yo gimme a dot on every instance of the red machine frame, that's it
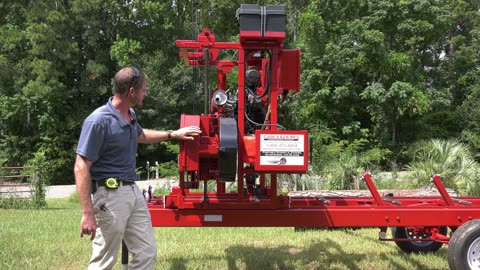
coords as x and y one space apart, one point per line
260 204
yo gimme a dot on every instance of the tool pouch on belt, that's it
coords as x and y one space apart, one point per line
111 183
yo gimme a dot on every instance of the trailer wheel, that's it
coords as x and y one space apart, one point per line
416 233
464 246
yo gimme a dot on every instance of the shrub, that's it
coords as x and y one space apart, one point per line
450 159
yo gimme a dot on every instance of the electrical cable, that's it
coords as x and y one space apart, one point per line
258 124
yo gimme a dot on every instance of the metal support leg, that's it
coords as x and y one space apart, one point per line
124 256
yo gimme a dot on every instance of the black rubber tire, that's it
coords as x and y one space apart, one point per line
461 241
416 247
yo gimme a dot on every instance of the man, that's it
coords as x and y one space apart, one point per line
105 166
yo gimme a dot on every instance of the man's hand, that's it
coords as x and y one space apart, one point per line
186 133
88 225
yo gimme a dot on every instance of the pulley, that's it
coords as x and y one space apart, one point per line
227 150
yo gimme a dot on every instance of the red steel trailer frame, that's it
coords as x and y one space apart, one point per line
191 210
251 153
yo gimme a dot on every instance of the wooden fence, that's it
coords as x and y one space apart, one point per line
14 183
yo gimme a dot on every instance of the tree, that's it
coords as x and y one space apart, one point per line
370 68
61 57
390 106
386 73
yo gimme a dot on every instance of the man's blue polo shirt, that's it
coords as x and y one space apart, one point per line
110 142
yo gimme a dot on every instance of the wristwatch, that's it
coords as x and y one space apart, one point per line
169 134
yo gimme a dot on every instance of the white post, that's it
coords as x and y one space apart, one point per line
156 169
148 170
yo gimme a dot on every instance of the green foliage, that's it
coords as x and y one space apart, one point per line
161 191
376 61
38 179
346 163
295 182
16 203
123 50
394 181
168 169
470 118
312 31
139 171
388 107
450 159
386 73
36 200
74 198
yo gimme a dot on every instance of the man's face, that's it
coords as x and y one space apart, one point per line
137 96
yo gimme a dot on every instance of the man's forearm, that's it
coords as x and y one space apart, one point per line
83 181
154 136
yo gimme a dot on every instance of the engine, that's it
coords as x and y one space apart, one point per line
241 138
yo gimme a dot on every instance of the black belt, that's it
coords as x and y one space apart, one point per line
101 183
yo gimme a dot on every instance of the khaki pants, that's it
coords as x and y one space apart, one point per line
122 214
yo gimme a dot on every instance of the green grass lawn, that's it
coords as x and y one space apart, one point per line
50 239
